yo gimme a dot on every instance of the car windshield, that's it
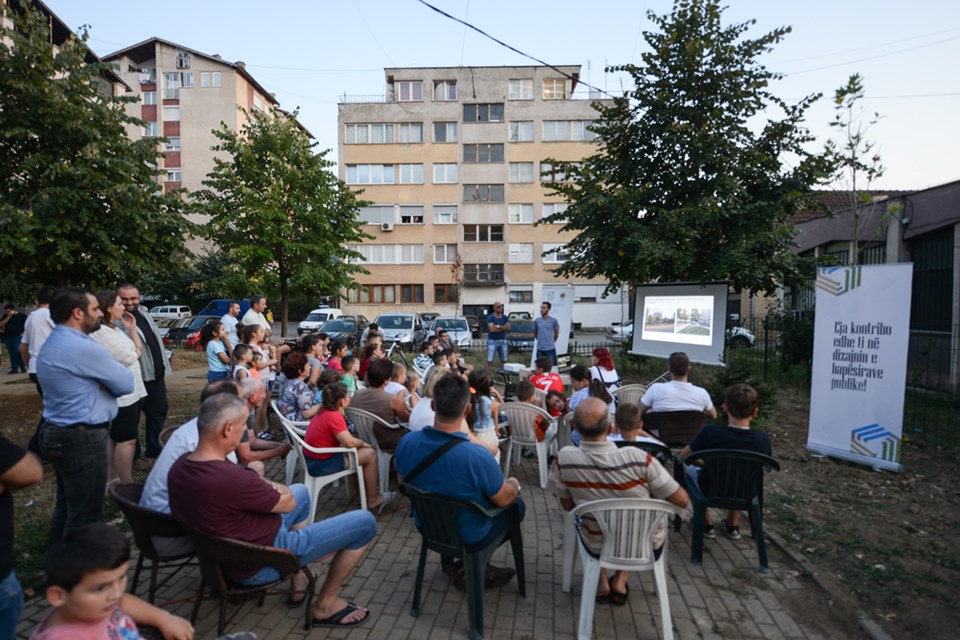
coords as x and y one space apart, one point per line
198 322
521 327
388 323
316 317
339 325
450 324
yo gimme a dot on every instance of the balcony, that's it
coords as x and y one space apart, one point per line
369 99
482 275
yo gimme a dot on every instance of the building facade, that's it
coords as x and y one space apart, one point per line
451 159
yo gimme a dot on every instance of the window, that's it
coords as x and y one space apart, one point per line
444 214
376 214
411 254
258 102
520 294
150 130
444 173
444 90
446 293
410 91
376 253
171 114
173 144
554 130
183 60
186 79
171 86
521 253
444 131
373 293
368 134
521 214
173 175
483 153
480 273
520 89
483 112
559 256
579 131
549 174
149 97
554 208
521 131
411 214
215 79
411 132
411 174
411 293
444 253
557 130
370 174
554 89
483 193
204 79
521 172
483 233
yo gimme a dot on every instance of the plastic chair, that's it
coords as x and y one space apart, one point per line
565 431
627 526
294 456
439 525
217 554
363 422
145 524
674 428
733 480
523 434
540 398
629 393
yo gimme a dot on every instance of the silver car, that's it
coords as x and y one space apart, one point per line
406 329
457 328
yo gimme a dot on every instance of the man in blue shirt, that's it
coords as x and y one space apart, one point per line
466 471
81 383
546 330
497 325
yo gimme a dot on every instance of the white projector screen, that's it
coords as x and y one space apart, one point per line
681 317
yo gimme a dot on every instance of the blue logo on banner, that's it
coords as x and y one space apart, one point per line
876 442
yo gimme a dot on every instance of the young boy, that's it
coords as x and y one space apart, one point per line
424 359
629 423
543 376
87 574
525 393
351 365
741 406
398 381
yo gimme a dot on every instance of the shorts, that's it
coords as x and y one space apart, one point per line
124 426
333 464
495 347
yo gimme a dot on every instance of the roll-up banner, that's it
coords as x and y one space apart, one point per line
561 299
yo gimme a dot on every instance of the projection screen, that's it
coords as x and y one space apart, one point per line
681 317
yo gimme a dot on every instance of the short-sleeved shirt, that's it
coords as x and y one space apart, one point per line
15 325
497 322
676 396
252 317
719 436
118 625
322 432
546 329
230 322
35 333
467 471
295 398
214 363
548 382
10 455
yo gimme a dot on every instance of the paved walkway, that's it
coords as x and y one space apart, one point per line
725 598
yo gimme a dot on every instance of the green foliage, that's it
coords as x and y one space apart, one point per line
683 188
795 344
279 212
79 201
741 367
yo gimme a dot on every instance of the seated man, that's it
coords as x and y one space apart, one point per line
678 394
253 448
597 469
544 377
466 471
389 408
740 403
217 498
424 359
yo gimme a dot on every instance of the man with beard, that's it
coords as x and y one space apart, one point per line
81 383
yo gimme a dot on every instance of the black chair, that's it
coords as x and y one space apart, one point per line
147 524
439 518
217 554
674 428
663 454
733 479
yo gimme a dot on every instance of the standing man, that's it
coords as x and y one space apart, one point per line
497 325
81 382
546 330
13 325
35 333
230 321
254 314
154 366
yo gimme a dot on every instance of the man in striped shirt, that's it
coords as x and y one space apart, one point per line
597 469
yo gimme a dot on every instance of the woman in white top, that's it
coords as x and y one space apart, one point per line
118 333
604 370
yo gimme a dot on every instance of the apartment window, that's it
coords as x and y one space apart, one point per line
483 152
521 214
411 132
445 90
554 88
444 253
173 144
204 79
373 294
446 293
411 254
410 91
483 112
549 174
171 86
376 253
375 133
521 172
520 89
370 174
579 130
186 79
171 114
483 193
521 294
555 130
411 214
215 79
258 102
521 131
444 131
444 214
173 175
149 97
554 208
483 233
150 130
411 174
559 255
376 214
483 273
521 253
444 173
183 60
411 293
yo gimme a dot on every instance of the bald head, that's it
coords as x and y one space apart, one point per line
592 419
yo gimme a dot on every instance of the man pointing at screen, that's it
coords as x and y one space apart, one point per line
678 394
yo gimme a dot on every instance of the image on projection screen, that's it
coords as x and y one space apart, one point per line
678 319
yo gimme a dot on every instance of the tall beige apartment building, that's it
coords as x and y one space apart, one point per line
451 159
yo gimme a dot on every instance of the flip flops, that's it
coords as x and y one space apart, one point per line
336 619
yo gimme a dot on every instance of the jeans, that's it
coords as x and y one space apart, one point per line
495 347
154 407
550 353
351 530
13 349
11 603
216 375
79 457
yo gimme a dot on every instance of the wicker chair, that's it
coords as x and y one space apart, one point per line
674 428
363 422
629 393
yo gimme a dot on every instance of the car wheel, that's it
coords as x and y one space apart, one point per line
739 342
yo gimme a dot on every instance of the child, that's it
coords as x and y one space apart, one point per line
424 359
525 393
486 409
350 368
397 384
741 405
412 384
338 351
543 376
556 403
87 581
212 336
629 423
580 382
243 354
255 363
440 360
329 376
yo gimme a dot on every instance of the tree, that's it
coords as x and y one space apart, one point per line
854 164
79 201
682 187
278 210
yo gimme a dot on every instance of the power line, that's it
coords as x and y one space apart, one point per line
371 31
879 55
872 46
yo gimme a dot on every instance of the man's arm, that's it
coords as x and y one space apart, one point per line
643 408
491 327
509 492
712 412
25 352
399 408
96 362
287 502
25 472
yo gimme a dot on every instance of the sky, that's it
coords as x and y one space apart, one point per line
312 52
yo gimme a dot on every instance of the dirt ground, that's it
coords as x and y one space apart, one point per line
882 543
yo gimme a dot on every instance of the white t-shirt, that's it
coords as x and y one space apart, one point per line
422 415
124 351
35 332
252 317
230 322
676 396
393 388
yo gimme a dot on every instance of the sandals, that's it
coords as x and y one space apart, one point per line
336 619
618 599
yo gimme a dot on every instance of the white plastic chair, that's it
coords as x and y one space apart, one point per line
363 422
300 427
565 431
540 398
523 434
627 526
629 393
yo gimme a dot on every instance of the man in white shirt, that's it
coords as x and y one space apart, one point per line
35 333
254 314
678 394
230 321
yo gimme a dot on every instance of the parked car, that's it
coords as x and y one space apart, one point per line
621 333
345 327
519 315
165 324
171 311
740 338
474 324
219 306
520 336
406 329
317 317
429 317
187 334
457 328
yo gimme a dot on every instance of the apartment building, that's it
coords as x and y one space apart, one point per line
451 159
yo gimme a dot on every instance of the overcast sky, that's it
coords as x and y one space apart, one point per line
311 52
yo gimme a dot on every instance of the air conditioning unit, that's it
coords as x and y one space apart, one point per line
386 226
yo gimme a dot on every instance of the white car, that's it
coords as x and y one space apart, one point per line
316 318
737 337
621 333
457 328
406 329
171 311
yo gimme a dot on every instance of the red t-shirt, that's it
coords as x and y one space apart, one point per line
334 363
322 432
548 382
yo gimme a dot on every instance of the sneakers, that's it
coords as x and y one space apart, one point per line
709 532
529 454
732 532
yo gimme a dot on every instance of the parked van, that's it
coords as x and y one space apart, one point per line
171 311
316 318
219 307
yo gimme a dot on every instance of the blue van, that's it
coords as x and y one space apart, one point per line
219 307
